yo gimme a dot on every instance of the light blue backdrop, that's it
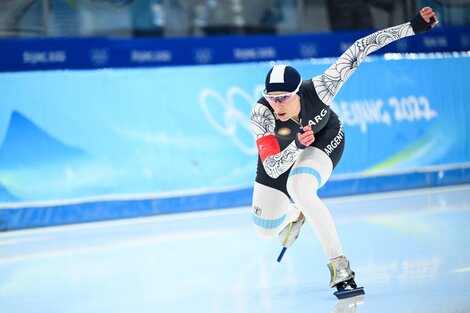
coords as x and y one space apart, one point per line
179 130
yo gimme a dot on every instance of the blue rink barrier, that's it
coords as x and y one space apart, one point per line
94 53
68 139
84 212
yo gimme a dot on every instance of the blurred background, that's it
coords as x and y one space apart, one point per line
127 160
101 96
165 18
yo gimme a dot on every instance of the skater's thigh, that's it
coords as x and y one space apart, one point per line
269 209
317 166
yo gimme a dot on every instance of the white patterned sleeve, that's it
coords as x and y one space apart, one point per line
263 124
262 121
328 84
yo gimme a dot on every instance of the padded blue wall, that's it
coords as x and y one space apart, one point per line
89 145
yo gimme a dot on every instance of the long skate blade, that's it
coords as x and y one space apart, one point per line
348 293
279 258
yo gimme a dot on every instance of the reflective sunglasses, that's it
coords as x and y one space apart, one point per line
272 99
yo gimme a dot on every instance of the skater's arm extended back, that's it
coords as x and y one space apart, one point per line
328 84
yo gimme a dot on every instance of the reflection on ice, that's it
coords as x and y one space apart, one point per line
348 305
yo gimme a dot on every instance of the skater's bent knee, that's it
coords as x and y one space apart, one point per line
267 228
265 233
267 223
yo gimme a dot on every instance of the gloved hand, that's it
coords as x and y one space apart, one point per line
304 137
424 20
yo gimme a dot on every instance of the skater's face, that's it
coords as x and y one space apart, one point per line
285 105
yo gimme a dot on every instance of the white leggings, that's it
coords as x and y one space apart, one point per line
271 211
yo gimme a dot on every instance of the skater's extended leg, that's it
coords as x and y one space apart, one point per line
310 172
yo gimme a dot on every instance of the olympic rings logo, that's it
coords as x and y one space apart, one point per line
229 115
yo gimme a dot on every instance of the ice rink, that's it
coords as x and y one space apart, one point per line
409 250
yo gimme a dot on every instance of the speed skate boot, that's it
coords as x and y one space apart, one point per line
342 277
290 233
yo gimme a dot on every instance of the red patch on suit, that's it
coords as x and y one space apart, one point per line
268 146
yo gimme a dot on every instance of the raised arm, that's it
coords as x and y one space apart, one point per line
275 161
328 84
